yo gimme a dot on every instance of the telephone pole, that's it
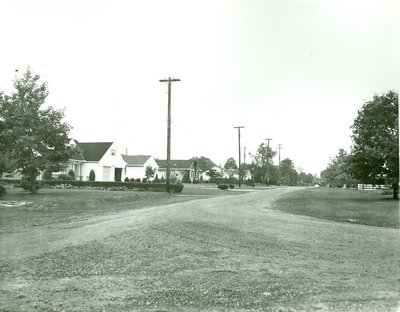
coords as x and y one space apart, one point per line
268 162
168 173
239 127
279 164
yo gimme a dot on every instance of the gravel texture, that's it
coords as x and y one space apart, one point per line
228 253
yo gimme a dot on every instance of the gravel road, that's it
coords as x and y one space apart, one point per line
227 253
225 209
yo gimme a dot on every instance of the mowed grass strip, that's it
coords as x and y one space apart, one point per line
53 205
343 205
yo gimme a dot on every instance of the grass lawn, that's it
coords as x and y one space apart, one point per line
54 205
342 205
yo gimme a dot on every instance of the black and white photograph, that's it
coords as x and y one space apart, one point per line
199 156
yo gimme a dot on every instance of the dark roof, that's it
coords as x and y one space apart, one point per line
77 155
93 151
175 163
135 160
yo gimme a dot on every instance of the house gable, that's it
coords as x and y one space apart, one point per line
93 151
176 164
135 160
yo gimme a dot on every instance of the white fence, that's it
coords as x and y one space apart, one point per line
369 187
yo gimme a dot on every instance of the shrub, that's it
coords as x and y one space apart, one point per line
249 182
65 177
71 173
3 190
186 177
27 185
223 186
48 175
92 175
177 188
126 179
231 186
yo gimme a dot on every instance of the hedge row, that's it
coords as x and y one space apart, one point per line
137 186
99 185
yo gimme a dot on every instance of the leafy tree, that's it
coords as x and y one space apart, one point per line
306 178
289 175
230 163
204 163
214 175
337 172
36 138
149 173
375 151
263 160
7 164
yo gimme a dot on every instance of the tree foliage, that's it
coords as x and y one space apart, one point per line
230 163
288 174
375 151
204 163
337 172
263 159
36 138
214 175
149 173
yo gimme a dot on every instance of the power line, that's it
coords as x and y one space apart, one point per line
168 173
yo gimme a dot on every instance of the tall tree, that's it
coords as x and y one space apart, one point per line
337 172
289 175
263 160
35 137
204 163
7 164
230 163
375 151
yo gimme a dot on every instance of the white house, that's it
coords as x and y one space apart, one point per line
135 165
101 157
179 169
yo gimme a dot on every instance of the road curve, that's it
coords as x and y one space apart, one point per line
226 209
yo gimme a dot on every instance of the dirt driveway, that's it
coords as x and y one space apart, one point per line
227 253
37 240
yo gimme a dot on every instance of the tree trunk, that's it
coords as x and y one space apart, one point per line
395 186
33 184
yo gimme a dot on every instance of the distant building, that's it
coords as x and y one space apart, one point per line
101 157
135 165
179 169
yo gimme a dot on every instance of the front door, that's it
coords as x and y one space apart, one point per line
118 174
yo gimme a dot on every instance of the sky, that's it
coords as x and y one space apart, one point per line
295 71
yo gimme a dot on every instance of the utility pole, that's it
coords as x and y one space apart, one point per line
167 178
239 127
268 162
279 164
